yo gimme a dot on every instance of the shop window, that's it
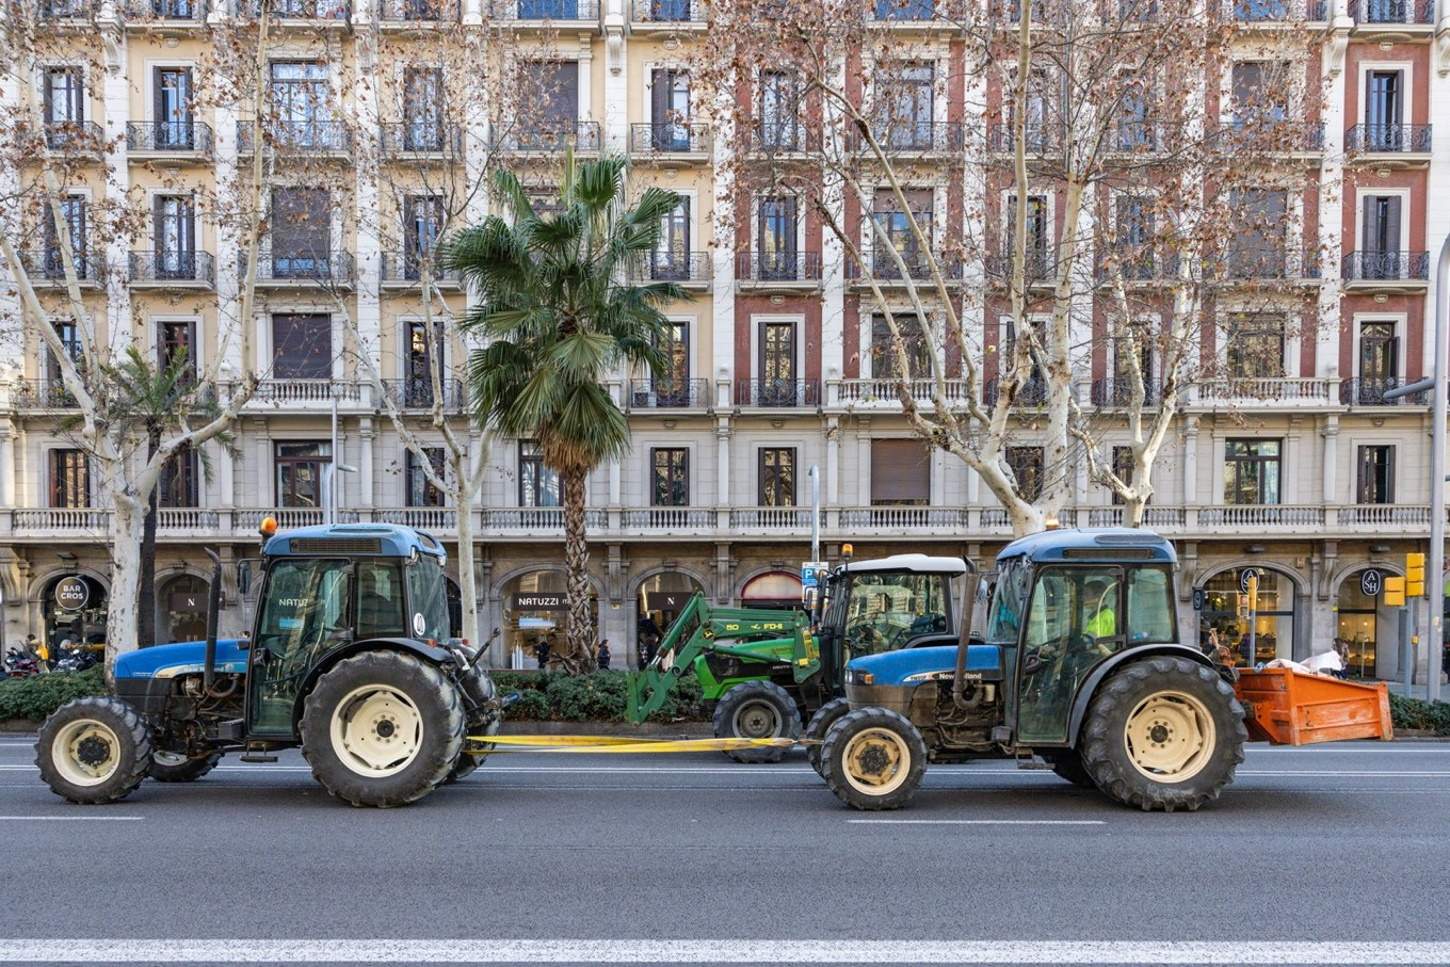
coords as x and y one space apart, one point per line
1356 635
1224 620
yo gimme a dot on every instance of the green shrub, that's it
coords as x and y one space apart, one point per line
37 696
1413 713
531 706
600 696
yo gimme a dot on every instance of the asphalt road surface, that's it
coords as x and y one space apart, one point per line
1337 854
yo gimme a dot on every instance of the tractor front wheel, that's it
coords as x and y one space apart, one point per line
819 725
175 767
873 758
382 729
93 750
1068 765
757 710
1163 734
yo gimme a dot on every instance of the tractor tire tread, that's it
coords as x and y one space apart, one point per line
189 771
128 725
819 725
738 695
848 725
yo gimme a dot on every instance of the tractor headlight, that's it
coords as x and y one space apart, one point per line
855 676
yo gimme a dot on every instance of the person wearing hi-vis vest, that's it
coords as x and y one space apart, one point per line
1100 600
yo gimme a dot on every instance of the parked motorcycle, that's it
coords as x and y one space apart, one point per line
78 656
20 664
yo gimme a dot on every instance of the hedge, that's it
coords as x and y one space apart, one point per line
36 697
1414 713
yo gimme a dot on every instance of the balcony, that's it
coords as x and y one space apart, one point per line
1393 270
668 394
1045 139
1380 143
1371 392
38 394
1265 391
421 140
337 12
248 519
165 13
782 394
1114 393
554 12
899 137
883 392
47 270
1135 266
689 270
404 270
1137 138
276 269
1275 13
666 14
1372 15
786 270
434 520
1040 269
536 521
1269 135
408 14
771 520
46 521
183 140
314 138
549 138
904 11
416 393
1257 516
1264 264
784 140
305 393
1031 392
914 267
670 141
188 269
1047 13
74 137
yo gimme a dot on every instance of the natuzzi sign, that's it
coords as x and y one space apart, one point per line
539 601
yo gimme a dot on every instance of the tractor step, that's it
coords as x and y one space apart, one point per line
1034 763
256 754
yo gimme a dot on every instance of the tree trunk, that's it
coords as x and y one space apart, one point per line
580 657
1133 508
146 596
1026 519
467 588
126 527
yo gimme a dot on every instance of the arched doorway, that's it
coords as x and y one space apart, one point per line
658 602
1358 626
181 609
74 607
1224 600
773 589
535 615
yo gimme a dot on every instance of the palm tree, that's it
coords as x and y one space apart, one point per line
558 317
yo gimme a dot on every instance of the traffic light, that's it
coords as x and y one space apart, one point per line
1415 575
1395 592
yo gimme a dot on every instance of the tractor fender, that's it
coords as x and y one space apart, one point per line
1090 685
429 653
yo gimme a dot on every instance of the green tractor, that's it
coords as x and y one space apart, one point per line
778 673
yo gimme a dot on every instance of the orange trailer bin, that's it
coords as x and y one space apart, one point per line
1293 708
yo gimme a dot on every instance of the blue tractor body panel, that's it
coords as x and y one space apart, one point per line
1109 545
183 657
894 667
355 540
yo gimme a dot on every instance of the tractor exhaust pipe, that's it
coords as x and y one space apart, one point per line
213 605
959 684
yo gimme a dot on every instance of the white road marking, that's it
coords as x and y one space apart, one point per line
979 822
72 819
725 951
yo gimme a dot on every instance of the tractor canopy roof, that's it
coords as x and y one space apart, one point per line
920 563
1111 545
355 540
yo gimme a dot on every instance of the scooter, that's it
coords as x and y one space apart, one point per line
20 664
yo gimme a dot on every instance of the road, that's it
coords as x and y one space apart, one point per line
1345 849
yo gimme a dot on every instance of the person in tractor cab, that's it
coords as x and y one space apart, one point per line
1100 599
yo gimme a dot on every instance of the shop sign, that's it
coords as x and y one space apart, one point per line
188 601
539 601
72 593
1370 582
667 600
1198 599
1245 575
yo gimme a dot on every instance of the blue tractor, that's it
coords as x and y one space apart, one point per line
350 658
1079 667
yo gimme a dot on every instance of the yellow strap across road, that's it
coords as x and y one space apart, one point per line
622 744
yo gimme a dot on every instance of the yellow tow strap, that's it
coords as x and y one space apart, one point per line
617 743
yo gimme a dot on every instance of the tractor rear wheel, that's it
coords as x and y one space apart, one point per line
468 761
1068 765
174 767
819 725
93 750
1163 733
757 710
873 758
382 729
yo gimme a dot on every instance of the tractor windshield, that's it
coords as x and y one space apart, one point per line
884 611
428 598
1009 599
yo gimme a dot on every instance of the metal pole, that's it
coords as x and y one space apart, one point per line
1436 578
815 475
331 488
1407 653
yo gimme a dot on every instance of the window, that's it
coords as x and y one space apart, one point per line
1384 111
428 596
548 9
171 108
777 364
70 338
900 473
1033 389
670 106
904 9
1037 234
176 343
74 212
423 109
299 472
1380 256
538 484
1379 360
70 479
894 224
1135 131
1026 464
301 346
671 258
670 477
777 237
1135 236
885 611
1123 379
422 224
64 104
300 97
777 477
418 378
1376 484
1257 248
905 112
1072 625
1255 347
301 233
1038 124
379 600
1150 607
174 227
421 491
779 111
1260 92
886 362
1122 469
304 603
557 110
671 386
179 479
1251 471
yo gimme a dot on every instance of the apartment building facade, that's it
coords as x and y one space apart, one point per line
1292 464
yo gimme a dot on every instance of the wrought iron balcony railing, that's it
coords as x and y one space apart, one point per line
784 393
897 136
910 10
662 394
1387 139
43 394
681 267
1135 264
172 11
542 10
1265 262
547 136
1269 135
1362 391
783 267
1276 11
419 11
65 9
667 11
1039 138
784 137
327 10
1031 392
669 137
416 393
1040 267
85 136
1111 391
168 137
298 137
1392 11
45 265
327 268
405 268
918 266
421 137
186 267
1386 266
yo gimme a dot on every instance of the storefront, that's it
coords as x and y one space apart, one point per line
659 601
1225 613
535 619
1359 627
181 609
773 589
74 607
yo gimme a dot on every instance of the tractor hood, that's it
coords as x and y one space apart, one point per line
181 658
894 667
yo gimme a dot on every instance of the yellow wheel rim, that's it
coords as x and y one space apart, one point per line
1170 737
86 752
876 761
376 731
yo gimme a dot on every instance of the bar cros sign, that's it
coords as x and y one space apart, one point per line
72 593
539 601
